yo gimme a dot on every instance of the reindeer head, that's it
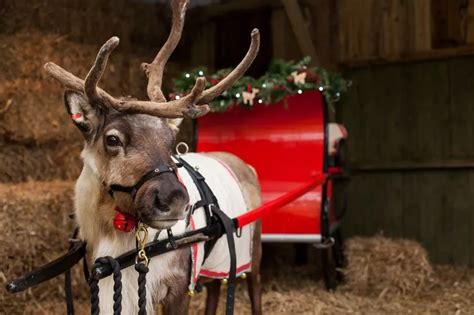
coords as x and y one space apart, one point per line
128 143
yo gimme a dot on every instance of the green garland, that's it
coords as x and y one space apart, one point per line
273 86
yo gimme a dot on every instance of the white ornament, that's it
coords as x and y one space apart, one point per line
249 96
299 78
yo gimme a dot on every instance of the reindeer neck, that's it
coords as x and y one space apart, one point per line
93 206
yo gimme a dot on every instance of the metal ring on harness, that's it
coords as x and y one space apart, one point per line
182 144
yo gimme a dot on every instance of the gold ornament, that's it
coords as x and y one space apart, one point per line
299 78
224 281
191 293
243 275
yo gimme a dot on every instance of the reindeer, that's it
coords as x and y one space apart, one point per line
124 140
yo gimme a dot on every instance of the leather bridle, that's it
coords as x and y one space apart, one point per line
132 190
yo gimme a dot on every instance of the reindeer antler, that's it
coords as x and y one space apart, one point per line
98 68
154 70
192 105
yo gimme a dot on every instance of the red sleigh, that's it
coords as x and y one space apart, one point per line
296 152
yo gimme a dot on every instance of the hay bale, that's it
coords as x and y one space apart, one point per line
379 266
35 229
35 113
31 100
55 161
23 55
31 105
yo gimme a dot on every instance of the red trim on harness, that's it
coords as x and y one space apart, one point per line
76 116
227 168
343 130
285 199
180 179
208 273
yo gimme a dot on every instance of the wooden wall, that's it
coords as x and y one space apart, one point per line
411 128
382 28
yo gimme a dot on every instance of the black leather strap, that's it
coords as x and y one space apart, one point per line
67 278
207 199
229 228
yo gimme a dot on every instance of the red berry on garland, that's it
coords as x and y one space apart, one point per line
312 77
249 88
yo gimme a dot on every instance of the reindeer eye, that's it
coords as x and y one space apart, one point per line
113 141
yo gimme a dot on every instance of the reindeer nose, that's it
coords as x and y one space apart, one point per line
159 205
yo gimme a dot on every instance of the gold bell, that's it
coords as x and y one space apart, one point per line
191 293
243 275
224 281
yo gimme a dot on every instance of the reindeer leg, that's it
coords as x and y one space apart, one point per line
212 299
176 303
254 281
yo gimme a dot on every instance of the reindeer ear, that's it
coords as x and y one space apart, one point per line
83 115
174 123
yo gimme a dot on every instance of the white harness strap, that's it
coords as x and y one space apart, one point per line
225 186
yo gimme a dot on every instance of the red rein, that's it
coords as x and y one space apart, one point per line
290 196
126 222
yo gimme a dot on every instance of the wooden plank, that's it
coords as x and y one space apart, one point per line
363 111
455 228
389 208
401 165
392 28
419 25
470 220
411 206
344 19
278 28
429 194
388 97
448 17
461 77
203 45
436 54
300 30
469 22
324 29
361 216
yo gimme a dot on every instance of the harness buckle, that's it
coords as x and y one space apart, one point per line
141 235
172 242
238 232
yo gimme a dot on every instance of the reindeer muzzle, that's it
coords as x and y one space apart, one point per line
132 190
